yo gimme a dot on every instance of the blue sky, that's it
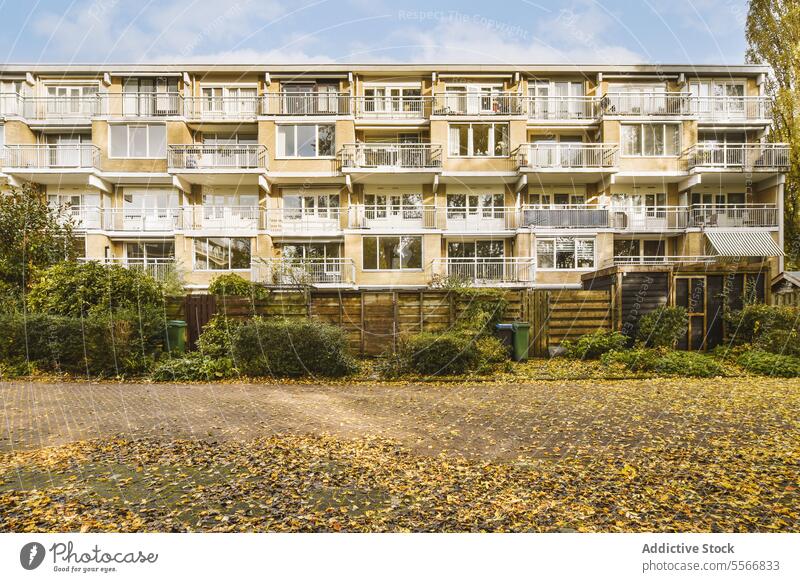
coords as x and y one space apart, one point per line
356 31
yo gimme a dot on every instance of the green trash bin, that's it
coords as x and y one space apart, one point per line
520 340
176 336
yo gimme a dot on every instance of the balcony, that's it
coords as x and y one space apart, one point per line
652 104
223 218
649 218
141 220
146 104
731 109
391 162
241 108
160 269
414 108
396 217
738 157
11 104
567 156
83 217
563 109
508 271
304 104
51 157
67 109
327 272
481 220
565 216
734 216
218 164
468 103
304 221
660 260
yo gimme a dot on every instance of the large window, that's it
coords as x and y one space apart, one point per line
221 254
306 141
484 249
462 205
393 253
301 251
150 250
565 253
651 139
478 139
138 141
298 205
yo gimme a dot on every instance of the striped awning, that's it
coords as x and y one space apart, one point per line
743 244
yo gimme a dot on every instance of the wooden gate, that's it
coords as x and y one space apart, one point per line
199 310
378 322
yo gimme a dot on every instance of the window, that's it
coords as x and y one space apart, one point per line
639 248
393 99
322 205
138 141
302 251
557 199
395 253
486 205
221 254
565 253
651 139
306 141
150 250
478 139
485 249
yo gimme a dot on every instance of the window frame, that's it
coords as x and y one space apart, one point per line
377 258
471 140
574 239
127 127
316 127
229 239
641 127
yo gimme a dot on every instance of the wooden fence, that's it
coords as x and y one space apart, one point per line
374 320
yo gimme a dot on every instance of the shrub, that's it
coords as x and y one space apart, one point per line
593 345
482 309
663 327
636 360
752 322
767 364
491 351
290 347
73 289
194 366
665 362
432 354
215 339
231 284
779 341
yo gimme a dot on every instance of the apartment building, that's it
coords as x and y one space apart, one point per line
405 176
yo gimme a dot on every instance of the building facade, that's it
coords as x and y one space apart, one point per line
407 176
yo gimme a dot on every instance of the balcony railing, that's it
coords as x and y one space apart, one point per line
660 260
396 217
51 156
83 217
731 108
645 104
304 220
11 104
147 104
486 270
64 108
565 216
296 271
392 107
233 218
471 103
734 215
412 156
217 157
143 219
649 218
303 103
489 219
738 156
245 107
158 268
563 108
557 156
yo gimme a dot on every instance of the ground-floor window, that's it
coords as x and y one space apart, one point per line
150 250
639 248
473 249
221 254
565 253
393 253
310 251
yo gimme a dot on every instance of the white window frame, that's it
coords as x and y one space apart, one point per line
128 143
641 127
377 258
575 240
316 126
471 140
229 269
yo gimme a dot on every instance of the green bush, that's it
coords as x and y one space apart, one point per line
439 354
767 364
491 351
194 366
665 362
779 341
593 345
290 347
662 327
74 289
481 309
215 339
231 284
749 324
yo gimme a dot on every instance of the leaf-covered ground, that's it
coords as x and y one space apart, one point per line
655 455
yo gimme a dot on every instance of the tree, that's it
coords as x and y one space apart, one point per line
773 36
34 237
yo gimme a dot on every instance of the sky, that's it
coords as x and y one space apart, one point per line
367 31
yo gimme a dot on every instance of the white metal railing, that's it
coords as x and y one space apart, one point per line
208 217
299 271
304 220
158 268
745 156
51 156
11 104
304 103
486 219
82 107
649 218
147 104
567 155
750 108
636 104
734 215
486 270
202 156
477 103
83 217
565 216
223 108
143 219
562 108
391 155
391 217
392 107
660 260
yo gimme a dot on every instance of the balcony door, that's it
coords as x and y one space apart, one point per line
311 212
227 101
320 261
718 98
71 100
393 210
480 260
310 98
230 151
720 209
230 208
66 151
150 96
476 212
642 211
149 209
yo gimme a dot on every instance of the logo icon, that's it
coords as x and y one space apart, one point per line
31 555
